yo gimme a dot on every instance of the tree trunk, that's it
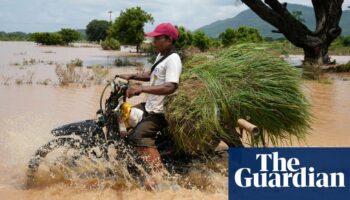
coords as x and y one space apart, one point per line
315 43
317 55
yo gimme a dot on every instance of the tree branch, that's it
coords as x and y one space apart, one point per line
285 14
333 19
277 7
328 14
276 14
264 12
320 14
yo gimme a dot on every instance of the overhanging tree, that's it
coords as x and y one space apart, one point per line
315 43
128 27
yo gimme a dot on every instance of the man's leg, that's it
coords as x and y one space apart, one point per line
143 139
151 155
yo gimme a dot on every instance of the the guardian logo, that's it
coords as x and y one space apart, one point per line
285 173
289 173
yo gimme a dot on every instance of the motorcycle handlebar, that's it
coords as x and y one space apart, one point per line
110 83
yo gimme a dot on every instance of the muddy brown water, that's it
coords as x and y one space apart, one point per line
330 102
29 112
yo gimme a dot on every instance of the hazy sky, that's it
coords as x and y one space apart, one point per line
52 15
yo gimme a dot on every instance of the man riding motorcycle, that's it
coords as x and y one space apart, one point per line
164 79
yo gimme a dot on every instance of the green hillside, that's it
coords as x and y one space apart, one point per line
249 18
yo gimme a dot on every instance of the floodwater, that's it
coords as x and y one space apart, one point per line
330 101
297 60
29 111
16 52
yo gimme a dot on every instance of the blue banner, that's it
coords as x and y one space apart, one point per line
289 173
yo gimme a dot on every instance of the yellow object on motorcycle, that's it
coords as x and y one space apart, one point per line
130 116
125 110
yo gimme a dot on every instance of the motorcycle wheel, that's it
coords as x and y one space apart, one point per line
41 154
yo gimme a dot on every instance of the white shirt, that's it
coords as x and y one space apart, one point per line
168 70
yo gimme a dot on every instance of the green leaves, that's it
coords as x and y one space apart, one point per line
242 34
96 30
128 27
63 37
200 40
242 81
185 38
228 37
69 35
48 38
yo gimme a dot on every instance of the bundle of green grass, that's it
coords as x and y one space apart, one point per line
244 81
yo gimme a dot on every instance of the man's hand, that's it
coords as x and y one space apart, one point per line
127 76
134 90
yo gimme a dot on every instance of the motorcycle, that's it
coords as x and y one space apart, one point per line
102 139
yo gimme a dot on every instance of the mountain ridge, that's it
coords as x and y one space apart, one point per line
249 18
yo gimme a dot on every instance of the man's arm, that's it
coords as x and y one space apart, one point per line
145 76
163 89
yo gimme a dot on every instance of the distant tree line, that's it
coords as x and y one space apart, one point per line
63 37
14 36
242 34
342 41
127 29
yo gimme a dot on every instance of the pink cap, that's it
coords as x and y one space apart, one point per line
164 29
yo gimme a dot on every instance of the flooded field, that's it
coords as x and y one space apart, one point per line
29 111
297 60
29 63
16 52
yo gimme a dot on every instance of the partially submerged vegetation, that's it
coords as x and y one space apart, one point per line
74 73
25 62
339 68
243 81
125 62
110 44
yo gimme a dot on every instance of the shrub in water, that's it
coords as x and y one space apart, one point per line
110 44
